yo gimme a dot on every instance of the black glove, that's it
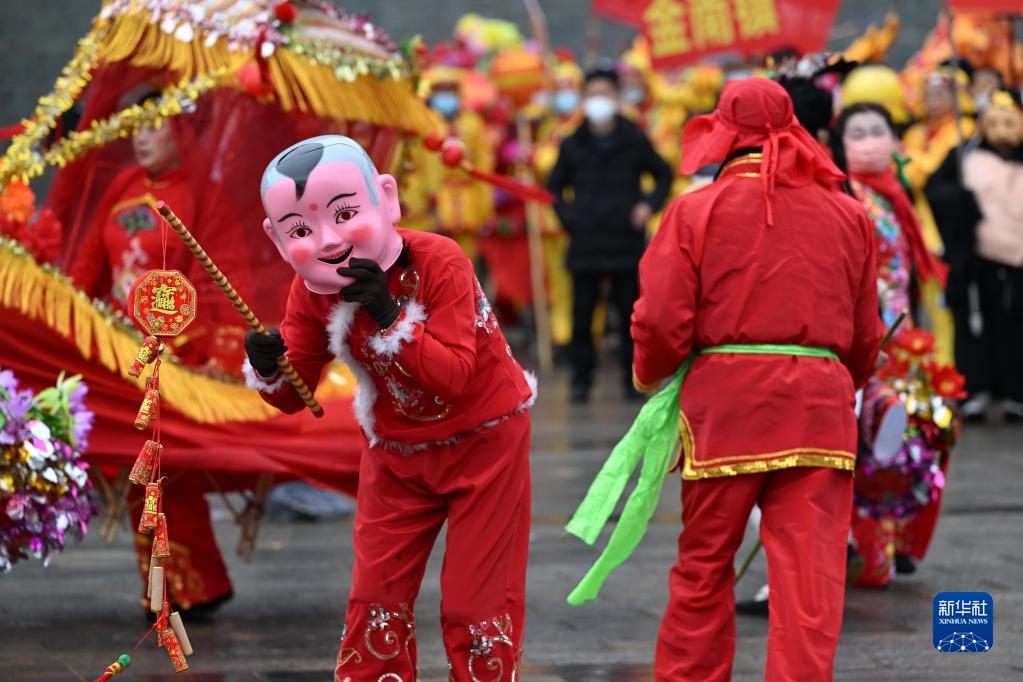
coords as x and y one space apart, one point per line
263 350
370 290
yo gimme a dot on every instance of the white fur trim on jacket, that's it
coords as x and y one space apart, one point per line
388 343
338 323
254 379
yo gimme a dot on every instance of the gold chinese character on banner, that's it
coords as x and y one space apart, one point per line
163 299
666 27
711 21
756 18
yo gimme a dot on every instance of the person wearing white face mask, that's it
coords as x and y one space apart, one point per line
603 162
864 145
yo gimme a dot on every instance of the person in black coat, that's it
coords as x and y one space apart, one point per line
605 216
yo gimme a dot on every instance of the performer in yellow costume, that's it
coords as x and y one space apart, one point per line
443 199
927 143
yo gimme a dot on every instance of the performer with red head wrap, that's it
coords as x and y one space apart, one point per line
442 403
764 280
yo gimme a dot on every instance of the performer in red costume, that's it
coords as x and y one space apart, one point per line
766 277
443 405
123 241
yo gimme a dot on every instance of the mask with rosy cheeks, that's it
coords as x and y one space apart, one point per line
870 155
326 204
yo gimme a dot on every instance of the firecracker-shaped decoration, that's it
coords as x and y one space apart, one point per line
150 508
156 591
174 650
145 464
147 410
146 354
161 543
179 630
162 302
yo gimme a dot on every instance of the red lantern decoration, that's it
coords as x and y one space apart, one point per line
518 74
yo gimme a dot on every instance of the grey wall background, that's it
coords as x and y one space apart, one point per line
37 37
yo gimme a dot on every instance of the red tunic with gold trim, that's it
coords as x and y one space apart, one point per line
758 285
444 408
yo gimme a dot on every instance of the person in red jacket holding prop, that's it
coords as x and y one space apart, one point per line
443 405
765 281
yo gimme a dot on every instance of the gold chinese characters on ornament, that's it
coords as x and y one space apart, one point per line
163 302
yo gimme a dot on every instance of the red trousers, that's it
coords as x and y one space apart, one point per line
480 486
804 528
195 572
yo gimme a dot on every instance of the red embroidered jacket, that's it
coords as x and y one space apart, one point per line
442 370
807 280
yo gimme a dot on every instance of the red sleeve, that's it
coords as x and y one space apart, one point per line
305 335
663 317
435 340
867 326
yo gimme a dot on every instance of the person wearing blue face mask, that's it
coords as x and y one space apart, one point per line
603 163
565 102
442 199
446 102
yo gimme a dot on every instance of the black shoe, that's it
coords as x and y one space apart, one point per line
904 564
752 607
580 394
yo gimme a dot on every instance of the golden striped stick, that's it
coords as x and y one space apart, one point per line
211 268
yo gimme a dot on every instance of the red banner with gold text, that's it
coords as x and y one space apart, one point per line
681 32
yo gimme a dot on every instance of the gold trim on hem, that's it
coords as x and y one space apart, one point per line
759 463
640 386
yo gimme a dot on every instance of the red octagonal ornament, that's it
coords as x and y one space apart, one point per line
162 302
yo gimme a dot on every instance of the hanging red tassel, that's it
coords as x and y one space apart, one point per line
145 463
150 508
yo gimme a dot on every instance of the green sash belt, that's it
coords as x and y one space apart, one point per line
653 437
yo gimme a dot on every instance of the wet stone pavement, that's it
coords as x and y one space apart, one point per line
68 621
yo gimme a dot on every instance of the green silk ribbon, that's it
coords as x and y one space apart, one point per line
652 438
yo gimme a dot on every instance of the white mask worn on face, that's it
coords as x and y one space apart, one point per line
599 109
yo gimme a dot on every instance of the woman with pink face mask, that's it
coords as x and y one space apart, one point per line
864 145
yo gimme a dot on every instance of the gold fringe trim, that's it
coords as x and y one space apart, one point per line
43 294
760 463
300 82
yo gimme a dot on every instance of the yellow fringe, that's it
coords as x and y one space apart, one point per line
300 82
43 294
